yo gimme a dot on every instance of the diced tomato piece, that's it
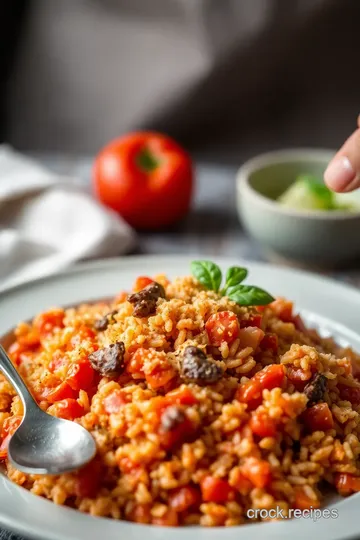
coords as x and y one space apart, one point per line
250 393
45 323
4 447
251 337
262 425
136 364
254 319
355 484
222 326
180 433
350 393
160 375
62 391
343 483
115 401
346 483
158 405
182 498
242 484
87 333
94 388
10 425
181 396
138 473
318 418
299 324
140 513
142 282
31 340
268 378
270 342
169 519
88 479
257 471
282 309
15 351
298 377
24 344
69 409
83 333
126 465
303 501
58 361
216 490
271 376
80 375
121 297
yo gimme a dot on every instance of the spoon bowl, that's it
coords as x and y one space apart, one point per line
44 444
48 445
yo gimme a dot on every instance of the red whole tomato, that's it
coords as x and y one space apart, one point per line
146 177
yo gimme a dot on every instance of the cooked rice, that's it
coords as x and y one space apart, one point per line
134 476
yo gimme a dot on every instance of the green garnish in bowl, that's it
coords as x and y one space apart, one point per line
310 193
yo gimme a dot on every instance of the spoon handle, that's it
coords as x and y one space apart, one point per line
7 368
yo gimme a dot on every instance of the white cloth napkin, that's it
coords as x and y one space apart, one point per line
47 223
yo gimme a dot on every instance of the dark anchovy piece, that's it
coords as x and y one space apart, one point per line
316 389
109 360
145 300
103 323
196 367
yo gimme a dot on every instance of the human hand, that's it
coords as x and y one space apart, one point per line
343 171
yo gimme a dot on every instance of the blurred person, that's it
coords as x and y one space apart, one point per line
227 78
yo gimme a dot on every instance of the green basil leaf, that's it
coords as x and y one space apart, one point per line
234 276
208 273
249 295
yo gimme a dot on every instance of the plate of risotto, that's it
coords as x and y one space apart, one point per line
223 397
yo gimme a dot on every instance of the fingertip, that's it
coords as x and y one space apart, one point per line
339 174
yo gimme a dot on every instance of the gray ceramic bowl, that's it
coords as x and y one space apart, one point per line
315 238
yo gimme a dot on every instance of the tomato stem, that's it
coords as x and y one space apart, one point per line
146 160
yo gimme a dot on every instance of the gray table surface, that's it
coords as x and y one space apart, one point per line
212 227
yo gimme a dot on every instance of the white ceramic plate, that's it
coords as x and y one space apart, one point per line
333 307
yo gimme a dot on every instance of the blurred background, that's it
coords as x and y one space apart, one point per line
226 78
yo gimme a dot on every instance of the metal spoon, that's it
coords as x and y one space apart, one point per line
44 444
